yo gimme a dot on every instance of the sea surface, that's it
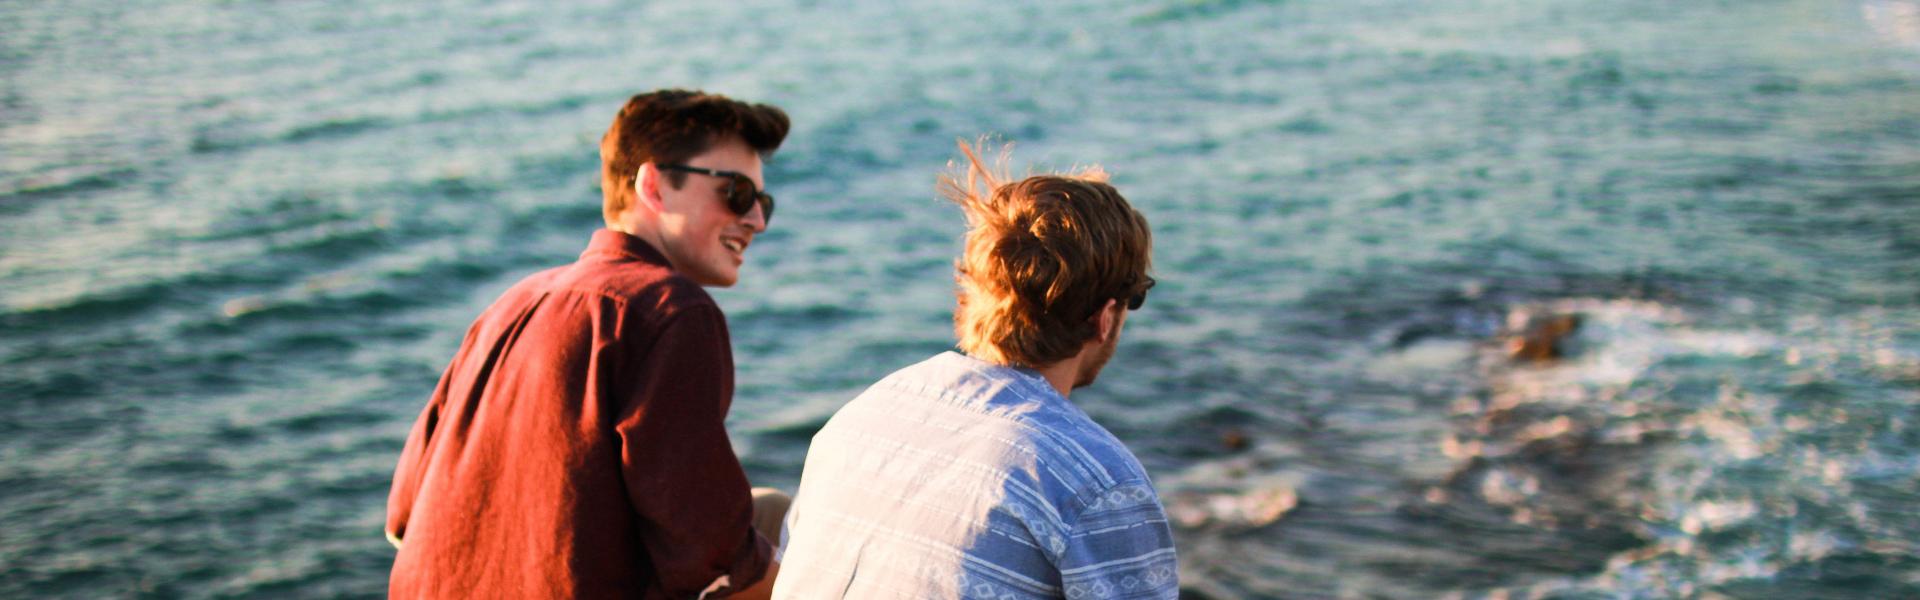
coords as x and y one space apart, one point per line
240 239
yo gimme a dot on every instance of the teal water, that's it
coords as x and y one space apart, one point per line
238 240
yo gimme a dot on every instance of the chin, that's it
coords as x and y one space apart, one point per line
712 277
1091 369
720 281
1085 381
1087 376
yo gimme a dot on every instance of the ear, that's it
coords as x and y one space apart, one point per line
1106 321
646 188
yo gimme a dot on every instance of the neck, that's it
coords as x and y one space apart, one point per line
1061 375
642 230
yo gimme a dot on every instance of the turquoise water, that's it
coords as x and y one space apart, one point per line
239 240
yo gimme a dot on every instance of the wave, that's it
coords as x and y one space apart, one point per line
106 305
344 295
332 420
1175 11
63 181
808 317
334 128
230 137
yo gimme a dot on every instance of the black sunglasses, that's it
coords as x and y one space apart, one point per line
740 194
1140 298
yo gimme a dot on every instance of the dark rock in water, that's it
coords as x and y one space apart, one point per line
1536 338
1234 440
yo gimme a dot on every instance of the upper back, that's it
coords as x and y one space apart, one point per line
949 475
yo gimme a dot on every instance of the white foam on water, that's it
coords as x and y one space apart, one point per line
1896 22
1700 486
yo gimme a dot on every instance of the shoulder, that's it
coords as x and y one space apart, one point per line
1023 409
522 293
671 294
1074 438
673 310
656 292
1086 469
537 282
966 384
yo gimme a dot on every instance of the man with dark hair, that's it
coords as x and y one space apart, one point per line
971 475
575 446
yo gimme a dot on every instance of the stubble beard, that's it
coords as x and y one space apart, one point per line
1090 370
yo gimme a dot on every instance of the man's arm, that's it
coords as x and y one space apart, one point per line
764 589
1123 540
407 475
683 480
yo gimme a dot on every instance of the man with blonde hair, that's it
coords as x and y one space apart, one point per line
970 475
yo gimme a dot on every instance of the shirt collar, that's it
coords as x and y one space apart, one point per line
607 242
1036 383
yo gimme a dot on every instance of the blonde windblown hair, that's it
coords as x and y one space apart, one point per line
1042 255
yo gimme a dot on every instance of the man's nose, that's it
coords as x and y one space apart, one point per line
756 219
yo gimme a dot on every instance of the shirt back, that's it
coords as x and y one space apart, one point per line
957 478
576 444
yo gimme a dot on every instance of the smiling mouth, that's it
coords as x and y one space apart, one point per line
738 246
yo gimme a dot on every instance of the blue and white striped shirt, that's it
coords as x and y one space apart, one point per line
957 478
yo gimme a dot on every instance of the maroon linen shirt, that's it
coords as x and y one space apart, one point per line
575 446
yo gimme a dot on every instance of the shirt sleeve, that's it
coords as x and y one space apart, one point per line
694 505
408 475
1119 545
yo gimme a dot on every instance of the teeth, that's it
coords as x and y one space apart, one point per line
734 245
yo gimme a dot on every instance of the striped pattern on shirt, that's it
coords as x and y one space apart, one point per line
957 478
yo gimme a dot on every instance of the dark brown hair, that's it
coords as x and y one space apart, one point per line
670 126
1042 255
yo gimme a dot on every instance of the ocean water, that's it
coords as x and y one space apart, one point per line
239 240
